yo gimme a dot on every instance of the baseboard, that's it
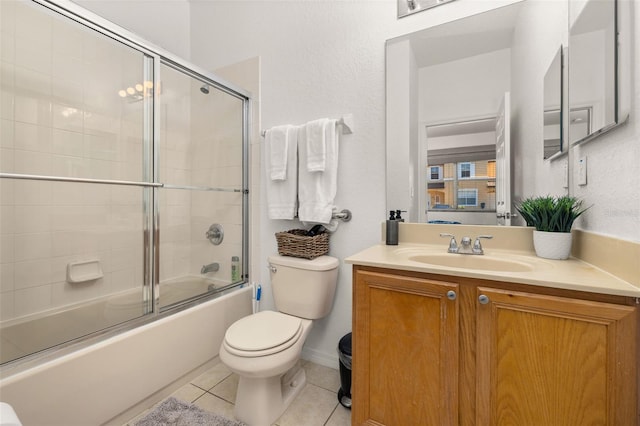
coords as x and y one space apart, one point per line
321 358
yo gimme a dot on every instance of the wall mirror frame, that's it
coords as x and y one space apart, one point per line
599 57
409 7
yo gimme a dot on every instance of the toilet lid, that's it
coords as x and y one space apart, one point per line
265 332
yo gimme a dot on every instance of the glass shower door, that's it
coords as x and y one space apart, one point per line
74 180
200 157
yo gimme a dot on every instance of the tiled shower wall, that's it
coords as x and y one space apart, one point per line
59 120
62 116
200 146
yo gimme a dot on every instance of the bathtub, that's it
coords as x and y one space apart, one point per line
103 381
38 332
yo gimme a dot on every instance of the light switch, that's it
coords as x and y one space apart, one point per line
582 171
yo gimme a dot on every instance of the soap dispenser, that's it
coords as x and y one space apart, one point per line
392 229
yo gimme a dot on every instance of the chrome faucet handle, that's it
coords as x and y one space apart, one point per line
453 245
477 247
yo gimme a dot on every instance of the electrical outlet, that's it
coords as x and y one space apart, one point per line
582 171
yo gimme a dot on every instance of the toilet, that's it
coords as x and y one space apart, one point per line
264 348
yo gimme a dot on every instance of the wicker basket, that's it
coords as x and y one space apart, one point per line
296 243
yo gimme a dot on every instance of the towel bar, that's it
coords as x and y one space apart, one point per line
345 121
344 215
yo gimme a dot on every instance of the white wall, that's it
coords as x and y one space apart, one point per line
532 52
613 161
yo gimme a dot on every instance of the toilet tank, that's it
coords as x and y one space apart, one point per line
303 288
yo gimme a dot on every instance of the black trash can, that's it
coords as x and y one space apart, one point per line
344 352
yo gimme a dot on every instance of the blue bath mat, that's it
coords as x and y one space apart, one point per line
174 412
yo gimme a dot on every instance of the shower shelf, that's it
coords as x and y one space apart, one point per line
84 271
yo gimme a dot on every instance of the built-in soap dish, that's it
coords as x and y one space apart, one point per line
84 271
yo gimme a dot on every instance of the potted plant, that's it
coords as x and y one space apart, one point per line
553 218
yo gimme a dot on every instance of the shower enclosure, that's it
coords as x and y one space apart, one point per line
116 158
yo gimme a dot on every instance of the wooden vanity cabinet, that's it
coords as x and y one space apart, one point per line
441 350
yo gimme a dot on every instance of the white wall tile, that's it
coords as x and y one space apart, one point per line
32 109
67 91
7 306
7 101
67 117
67 38
35 58
32 273
67 143
32 300
7 282
32 23
32 219
34 246
7 191
7 160
6 133
32 193
31 137
62 165
7 221
32 162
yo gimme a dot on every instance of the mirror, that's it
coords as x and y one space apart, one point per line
454 76
553 107
593 73
408 7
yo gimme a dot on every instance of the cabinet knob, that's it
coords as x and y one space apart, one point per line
483 299
451 295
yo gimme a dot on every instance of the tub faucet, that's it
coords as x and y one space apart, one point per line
212 267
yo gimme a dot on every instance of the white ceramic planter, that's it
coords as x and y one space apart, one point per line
552 245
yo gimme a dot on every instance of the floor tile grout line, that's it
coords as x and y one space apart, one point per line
219 397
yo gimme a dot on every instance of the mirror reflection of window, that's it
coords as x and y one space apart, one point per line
460 170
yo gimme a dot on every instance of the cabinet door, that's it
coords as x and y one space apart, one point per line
544 360
405 360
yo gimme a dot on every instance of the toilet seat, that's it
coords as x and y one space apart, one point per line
262 334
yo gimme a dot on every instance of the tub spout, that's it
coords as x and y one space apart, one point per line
212 267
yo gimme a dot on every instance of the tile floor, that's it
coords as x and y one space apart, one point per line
317 404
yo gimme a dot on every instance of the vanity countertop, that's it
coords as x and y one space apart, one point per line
570 274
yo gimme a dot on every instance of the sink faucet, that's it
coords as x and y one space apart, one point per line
465 246
212 267
477 247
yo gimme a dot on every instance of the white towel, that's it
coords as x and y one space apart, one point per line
317 190
318 131
282 194
276 143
